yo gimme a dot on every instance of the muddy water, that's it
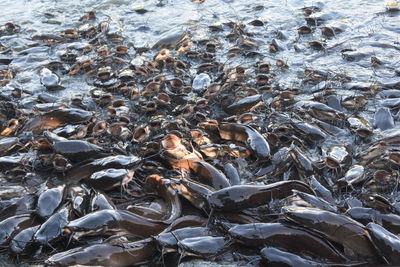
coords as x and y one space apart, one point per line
368 31
363 22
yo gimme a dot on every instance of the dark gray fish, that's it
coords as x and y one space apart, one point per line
108 179
333 102
170 240
21 242
86 168
232 173
12 191
50 80
171 40
57 118
391 102
291 238
391 222
278 258
52 229
203 246
78 150
321 190
316 201
196 193
7 144
385 242
245 104
240 197
111 220
49 201
17 206
100 202
383 119
13 225
310 131
130 254
338 228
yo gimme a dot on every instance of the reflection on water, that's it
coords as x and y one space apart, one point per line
355 43
366 31
366 28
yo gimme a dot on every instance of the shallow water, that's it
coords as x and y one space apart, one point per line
369 30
